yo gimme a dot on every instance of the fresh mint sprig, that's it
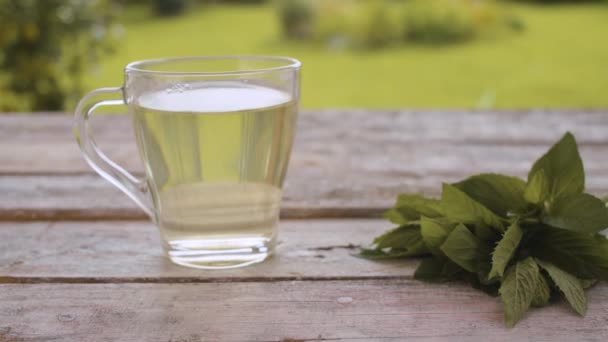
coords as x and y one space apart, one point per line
525 241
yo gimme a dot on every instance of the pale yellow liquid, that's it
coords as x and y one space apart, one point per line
216 155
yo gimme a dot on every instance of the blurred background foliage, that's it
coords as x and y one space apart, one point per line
378 23
357 53
46 48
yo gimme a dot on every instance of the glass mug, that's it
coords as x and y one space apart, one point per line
215 136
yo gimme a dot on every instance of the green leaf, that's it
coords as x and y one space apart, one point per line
436 270
484 265
462 247
570 286
543 292
420 204
563 168
473 279
404 241
403 237
490 289
537 188
582 255
505 250
434 233
588 283
401 216
501 194
582 212
552 224
486 233
410 207
518 289
459 207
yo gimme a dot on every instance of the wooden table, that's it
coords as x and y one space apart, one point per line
68 271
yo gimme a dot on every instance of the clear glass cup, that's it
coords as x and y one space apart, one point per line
215 136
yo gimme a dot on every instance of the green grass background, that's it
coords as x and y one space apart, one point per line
560 60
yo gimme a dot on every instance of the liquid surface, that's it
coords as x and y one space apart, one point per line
216 156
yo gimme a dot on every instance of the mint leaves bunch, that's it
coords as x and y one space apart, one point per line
525 241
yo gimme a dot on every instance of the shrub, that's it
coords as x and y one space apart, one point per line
559 1
247 2
332 20
169 7
447 21
378 23
438 21
296 18
46 46
351 23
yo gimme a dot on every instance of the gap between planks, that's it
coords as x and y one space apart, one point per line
134 214
189 280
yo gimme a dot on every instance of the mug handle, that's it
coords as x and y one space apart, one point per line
135 188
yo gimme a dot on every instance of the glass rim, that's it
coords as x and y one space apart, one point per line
139 66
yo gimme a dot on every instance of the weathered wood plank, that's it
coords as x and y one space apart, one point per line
526 126
131 252
421 140
372 310
344 163
352 194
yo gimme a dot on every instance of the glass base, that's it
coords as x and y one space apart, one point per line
219 253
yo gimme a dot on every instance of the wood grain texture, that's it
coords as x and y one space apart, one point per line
131 252
398 140
349 163
109 281
89 197
371 310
